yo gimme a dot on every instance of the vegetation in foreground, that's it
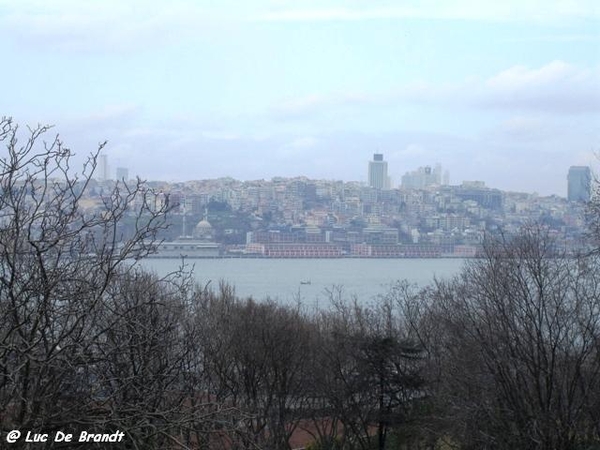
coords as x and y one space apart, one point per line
503 356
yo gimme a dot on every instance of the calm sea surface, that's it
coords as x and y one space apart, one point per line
308 279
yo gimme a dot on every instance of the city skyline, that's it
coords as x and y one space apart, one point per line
422 177
505 93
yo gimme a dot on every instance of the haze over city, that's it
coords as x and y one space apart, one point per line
507 93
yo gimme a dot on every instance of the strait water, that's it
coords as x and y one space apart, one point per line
287 280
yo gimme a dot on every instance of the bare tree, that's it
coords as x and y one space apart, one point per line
255 359
516 347
366 374
141 348
57 263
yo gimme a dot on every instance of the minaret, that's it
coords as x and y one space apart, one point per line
183 222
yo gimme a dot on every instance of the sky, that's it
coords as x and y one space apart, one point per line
503 92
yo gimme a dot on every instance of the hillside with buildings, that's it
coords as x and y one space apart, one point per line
299 217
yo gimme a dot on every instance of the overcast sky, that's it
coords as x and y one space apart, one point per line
507 92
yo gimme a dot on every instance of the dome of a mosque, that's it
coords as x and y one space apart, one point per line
204 225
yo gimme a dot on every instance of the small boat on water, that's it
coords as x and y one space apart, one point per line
305 282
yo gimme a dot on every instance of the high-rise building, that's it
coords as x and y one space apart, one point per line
378 172
104 167
579 184
422 177
446 178
122 174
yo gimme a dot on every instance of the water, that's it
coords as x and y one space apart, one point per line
286 280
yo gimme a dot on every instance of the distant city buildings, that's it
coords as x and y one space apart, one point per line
423 177
378 173
306 218
579 185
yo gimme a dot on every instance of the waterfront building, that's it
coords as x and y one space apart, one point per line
365 250
302 250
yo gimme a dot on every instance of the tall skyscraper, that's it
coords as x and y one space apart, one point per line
579 184
103 166
378 172
122 174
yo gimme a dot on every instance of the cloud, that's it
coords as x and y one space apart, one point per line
525 77
103 26
117 26
300 106
410 151
555 38
555 88
303 142
524 10
336 14
121 112
524 127
525 130
313 104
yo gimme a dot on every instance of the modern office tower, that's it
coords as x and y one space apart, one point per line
378 172
579 184
122 174
103 167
